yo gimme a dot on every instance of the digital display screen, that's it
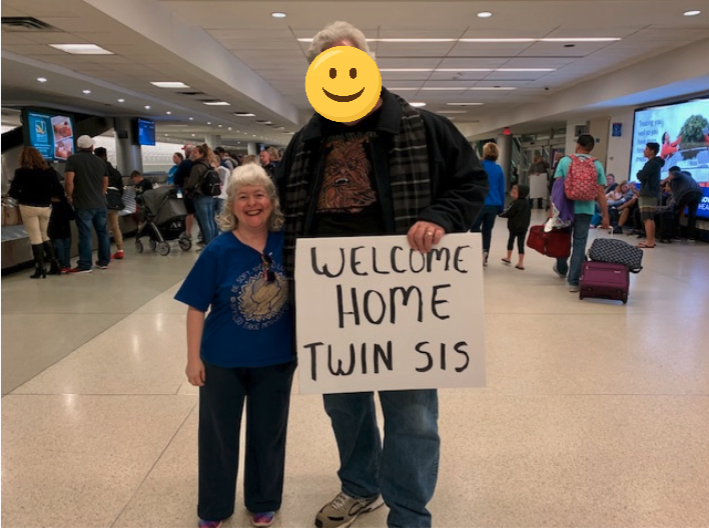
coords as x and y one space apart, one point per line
146 132
682 131
703 211
52 134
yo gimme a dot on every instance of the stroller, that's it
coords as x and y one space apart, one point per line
164 215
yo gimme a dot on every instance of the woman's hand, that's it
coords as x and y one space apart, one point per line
195 372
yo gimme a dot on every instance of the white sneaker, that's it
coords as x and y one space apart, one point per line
486 254
574 289
344 510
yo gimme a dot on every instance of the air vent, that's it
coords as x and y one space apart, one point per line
191 93
26 24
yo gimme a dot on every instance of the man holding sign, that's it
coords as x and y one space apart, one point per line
370 165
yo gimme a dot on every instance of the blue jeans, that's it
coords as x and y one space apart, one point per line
204 211
486 218
62 247
405 469
579 235
85 218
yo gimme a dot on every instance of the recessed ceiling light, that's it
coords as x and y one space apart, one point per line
191 118
465 104
121 100
169 84
193 135
86 91
217 103
417 104
82 49
168 112
692 13
42 79
244 114
220 126
147 107
484 14
229 128
166 135
278 14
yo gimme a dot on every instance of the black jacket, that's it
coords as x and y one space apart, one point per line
35 187
60 221
459 181
649 177
519 214
114 177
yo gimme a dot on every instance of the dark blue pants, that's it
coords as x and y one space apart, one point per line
62 247
85 219
221 401
486 220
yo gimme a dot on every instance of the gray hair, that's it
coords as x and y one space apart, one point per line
333 33
245 175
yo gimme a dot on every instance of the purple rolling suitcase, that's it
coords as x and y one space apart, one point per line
604 280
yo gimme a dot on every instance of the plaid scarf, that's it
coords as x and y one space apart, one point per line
409 180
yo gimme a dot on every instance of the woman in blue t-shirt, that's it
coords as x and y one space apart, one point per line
495 199
244 347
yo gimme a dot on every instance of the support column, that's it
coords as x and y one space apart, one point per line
504 143
213 141
128 154
252 148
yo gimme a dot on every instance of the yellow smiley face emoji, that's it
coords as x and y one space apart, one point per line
343 84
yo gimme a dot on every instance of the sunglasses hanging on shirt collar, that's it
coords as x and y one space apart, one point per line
268 274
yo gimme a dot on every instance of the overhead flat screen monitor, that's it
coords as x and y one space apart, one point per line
145 131
682 130
50 132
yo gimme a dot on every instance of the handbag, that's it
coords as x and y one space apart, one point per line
555 244
114 200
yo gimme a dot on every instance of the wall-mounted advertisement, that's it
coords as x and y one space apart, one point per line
51 133
682 130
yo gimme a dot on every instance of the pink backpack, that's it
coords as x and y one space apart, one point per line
581 182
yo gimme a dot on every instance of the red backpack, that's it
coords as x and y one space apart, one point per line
581 182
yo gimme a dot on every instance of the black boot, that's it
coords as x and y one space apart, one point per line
38 254
54 267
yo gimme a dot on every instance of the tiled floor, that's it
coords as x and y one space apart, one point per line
595 414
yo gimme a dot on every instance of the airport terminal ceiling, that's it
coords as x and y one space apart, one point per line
232 57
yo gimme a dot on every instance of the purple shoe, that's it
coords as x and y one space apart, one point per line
209 524
262 519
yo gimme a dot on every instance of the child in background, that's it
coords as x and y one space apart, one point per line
59 231
519 216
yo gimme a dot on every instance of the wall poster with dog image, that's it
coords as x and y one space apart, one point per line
373 314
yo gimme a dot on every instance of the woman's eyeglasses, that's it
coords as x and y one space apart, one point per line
268 274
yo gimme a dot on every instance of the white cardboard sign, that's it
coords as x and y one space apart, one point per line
372 314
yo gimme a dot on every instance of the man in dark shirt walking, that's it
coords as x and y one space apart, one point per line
86 178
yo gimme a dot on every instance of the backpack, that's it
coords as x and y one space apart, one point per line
210 183
581 182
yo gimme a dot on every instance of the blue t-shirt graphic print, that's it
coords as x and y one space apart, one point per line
250 321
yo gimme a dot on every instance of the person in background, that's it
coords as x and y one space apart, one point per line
182 174
59 231
86 181
177 158
34 186
687 195
270 160
519 216
224 176
555 163
649 177
242 352
539 166
224 159
583 211
610 183
201 157
251 159
668 147
115 180
140 183
495 200
407 172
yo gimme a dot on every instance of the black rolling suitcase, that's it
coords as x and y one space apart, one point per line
665 226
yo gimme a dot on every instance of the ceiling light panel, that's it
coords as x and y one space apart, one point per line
169 84
82 49
217 103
